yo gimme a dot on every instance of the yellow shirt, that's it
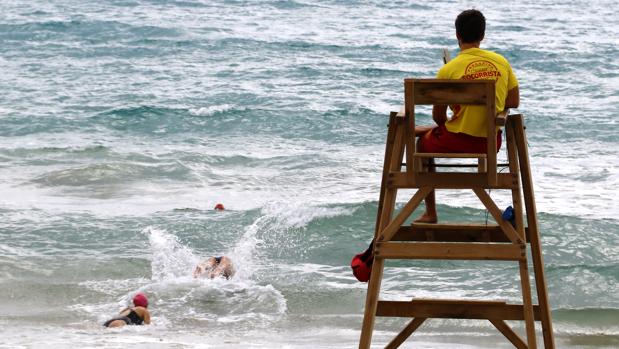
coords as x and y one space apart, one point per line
477 64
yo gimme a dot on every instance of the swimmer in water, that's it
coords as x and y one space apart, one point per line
214 267
136 315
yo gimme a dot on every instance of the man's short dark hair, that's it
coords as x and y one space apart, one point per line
471 26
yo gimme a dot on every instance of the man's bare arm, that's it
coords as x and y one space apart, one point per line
439 114
513 98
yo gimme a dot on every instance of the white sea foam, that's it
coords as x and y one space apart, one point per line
298 214
210 110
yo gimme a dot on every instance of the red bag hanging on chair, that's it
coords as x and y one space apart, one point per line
361 264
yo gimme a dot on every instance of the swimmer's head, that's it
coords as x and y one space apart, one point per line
140 300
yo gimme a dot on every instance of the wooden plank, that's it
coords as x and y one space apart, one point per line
395 160
491 170
371 303
447 180
393 157
501 118
405 333
497 214
482 165
386 161
507 331
450 155
444 92
383 196
514 169
479 165
409 97
456 232
409 105
398 147
452 310
536 249
457 301
527 304
448 250
387 233
410 151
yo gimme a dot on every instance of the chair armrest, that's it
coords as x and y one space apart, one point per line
501 117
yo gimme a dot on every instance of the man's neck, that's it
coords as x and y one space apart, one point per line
468 45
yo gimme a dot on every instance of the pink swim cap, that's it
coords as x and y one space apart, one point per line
140 300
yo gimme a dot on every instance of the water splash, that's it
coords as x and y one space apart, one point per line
170 258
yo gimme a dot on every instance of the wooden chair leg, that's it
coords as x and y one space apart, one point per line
394 153
371 303
527 304
536 250
389 150
518 208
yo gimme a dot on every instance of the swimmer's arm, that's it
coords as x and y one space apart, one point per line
199 270
225 263
224 268
210 263
146 317
513 98
227 267
439 114
204 266
215 272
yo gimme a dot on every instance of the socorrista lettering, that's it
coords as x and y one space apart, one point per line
482 75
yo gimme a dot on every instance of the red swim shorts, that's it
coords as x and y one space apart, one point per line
439 140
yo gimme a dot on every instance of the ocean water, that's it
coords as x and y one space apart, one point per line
123 123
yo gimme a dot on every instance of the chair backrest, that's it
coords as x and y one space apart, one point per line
450 92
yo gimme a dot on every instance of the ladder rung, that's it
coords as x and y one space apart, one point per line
454 309
457 301
449 250
452 232
450 155
454 226
461 165
450 180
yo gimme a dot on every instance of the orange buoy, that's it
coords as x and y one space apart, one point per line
219 207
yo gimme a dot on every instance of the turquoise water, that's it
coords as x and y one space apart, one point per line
123 123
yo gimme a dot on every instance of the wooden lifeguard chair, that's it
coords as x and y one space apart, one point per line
393 239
